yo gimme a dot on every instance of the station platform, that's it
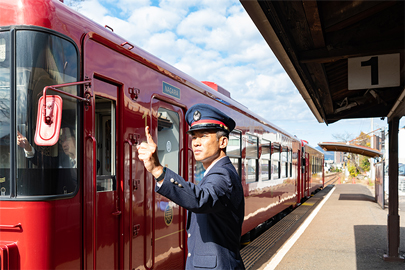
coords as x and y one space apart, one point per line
340 227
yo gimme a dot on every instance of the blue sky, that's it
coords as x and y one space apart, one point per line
217 41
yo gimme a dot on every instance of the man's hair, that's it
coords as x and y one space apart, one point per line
222 133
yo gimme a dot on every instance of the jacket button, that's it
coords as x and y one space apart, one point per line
189 255
176 183
171 180
180 185
189 235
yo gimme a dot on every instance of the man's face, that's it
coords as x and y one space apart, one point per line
69 146
67 142
206 146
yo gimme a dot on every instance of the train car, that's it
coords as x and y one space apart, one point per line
75 99
314 163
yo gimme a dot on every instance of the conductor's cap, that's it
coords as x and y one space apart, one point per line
203 116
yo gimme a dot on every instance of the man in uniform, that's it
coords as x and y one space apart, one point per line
216 205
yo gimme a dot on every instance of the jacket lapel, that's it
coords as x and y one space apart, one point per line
220 163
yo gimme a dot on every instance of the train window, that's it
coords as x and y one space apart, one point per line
105 136
251 147
252 154
2 49
316 165
265 160
43 59
234 149
275 161
283 162
5 105
312 163
168 139
290 162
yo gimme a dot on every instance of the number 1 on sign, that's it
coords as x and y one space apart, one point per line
373 71
373 62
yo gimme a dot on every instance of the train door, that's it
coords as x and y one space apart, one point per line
303 173
168 217
299 178
101 194
306 175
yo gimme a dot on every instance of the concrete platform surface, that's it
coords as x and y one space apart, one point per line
348 232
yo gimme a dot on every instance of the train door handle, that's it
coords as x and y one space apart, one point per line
117 211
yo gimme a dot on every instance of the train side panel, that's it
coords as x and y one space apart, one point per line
316 172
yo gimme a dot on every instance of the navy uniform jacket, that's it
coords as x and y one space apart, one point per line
216 209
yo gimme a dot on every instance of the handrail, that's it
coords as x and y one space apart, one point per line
127 43
53 88
130 200
10 226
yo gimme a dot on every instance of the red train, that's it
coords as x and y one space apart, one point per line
73 193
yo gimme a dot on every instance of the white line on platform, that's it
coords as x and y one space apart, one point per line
291 241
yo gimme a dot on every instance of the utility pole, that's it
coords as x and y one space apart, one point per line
372 169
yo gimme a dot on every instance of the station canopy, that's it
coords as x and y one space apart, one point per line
346 58
350 148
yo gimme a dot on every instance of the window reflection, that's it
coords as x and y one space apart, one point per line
252 154
275 161
44 60
265 160
4 114
234 149
168 139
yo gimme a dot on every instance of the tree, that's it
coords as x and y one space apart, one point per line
365 164
356 163
343 137
363 139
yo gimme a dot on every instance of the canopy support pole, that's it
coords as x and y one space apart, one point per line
393 217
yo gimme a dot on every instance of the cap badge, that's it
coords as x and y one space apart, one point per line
197 115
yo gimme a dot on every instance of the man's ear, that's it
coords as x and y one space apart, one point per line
223 142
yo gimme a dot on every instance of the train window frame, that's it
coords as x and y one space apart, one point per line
7 96
275 160
265 161
235 155
290 161
15 192
283 161
166 122
105 119
252 161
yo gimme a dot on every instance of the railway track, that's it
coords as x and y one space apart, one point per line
330 179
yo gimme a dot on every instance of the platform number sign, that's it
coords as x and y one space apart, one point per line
374 71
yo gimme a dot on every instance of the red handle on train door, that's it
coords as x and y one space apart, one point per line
130 195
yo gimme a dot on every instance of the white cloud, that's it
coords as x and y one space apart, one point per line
128 5
255 54
120 27
179 6
227 33
197 26
153 19
93 10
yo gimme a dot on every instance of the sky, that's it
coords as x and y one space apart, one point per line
217 41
